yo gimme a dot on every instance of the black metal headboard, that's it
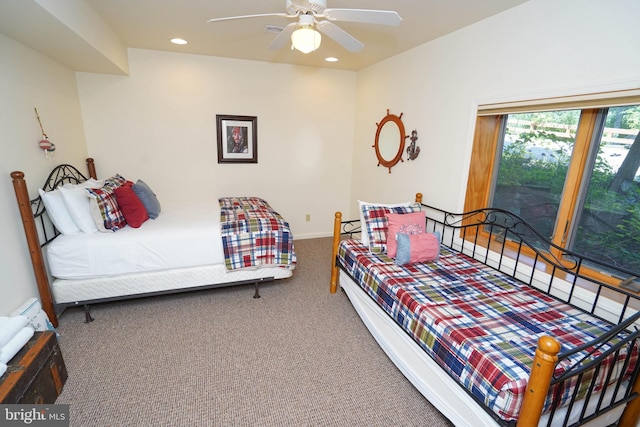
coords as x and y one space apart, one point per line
60 175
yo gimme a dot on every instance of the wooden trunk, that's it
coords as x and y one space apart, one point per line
36 374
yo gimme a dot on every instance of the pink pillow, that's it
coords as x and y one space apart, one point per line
417 248
376 225
407 223
131 205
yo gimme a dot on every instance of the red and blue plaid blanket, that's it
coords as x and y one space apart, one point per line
480 325
254 235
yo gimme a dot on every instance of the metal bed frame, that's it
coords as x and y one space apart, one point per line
507 243
40 231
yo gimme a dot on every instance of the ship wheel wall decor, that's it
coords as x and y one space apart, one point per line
389 142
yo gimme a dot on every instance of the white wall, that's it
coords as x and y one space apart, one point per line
315 127
29 80
541 48
159 124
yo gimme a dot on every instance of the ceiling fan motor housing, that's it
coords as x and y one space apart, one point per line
302 6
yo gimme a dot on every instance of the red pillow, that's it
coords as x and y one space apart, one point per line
407 223
132 208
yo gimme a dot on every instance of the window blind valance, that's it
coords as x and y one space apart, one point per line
592 100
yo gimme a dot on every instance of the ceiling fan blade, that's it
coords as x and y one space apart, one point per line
304 4
229 18
383 17
340 36
283 37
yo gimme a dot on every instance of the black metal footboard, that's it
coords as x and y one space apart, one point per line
506 242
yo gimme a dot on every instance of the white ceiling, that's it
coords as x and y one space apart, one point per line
149 24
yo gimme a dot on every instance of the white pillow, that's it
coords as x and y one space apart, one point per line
90 183
76 199
364 233
58 212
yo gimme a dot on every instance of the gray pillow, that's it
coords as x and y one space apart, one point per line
148 198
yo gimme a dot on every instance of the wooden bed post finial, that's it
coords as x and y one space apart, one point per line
92 168
337 222
544 364
26 214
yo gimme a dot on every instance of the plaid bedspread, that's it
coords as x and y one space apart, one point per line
254 235
481 326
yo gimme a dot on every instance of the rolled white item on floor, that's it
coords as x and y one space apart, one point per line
3 368
9 328
16 344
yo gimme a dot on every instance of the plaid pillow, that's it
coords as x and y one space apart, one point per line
109 212
377 223
115 181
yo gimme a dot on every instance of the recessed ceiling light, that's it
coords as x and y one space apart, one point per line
178 41
331 59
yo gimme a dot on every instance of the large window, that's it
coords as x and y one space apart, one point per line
572 172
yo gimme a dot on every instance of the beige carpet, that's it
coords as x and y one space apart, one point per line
298 356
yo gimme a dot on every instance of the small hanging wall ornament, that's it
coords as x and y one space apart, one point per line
46 145
413 150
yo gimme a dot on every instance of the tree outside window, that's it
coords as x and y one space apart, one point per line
573 174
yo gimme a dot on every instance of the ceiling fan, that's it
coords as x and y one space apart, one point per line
313 16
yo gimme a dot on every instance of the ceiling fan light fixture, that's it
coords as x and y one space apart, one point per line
306 39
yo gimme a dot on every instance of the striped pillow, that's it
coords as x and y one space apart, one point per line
115 181
105 210
376 222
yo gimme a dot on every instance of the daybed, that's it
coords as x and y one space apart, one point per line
492 323
230 241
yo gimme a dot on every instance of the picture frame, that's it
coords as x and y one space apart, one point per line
237 139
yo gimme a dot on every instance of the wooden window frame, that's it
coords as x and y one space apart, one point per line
485 156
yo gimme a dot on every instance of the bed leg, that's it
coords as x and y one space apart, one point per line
87 314
257 294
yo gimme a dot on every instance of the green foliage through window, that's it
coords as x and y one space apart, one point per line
537 150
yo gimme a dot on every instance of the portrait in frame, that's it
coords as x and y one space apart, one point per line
237 139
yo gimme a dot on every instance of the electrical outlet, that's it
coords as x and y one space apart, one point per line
308 217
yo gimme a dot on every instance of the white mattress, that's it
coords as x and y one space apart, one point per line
180 237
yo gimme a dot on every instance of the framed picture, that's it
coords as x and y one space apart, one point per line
237 139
